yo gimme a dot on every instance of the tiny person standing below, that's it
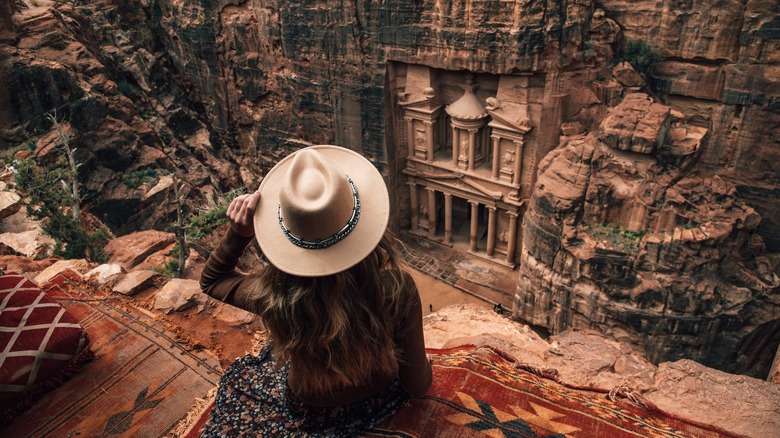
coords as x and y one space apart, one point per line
346 346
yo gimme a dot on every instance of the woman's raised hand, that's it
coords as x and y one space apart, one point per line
241 212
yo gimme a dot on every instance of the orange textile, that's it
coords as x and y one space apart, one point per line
480 392
141 384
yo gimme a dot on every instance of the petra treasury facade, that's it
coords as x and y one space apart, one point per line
465 161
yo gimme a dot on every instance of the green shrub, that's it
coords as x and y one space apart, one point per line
128 90
618 238
640 55
49 202
137 178
207 220
171 268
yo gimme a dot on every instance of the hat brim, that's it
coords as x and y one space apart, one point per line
371 226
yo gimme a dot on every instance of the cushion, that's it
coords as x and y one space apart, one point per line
41 344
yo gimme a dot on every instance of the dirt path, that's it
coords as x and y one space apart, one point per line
436 294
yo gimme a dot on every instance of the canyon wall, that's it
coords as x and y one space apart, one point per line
626 234
216 92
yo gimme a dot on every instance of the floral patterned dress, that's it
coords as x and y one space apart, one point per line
254 399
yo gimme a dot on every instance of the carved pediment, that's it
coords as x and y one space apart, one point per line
511 116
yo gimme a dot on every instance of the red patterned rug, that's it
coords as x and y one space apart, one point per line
479 392
142 382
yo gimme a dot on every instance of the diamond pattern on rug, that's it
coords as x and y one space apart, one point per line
479 392
39 339
141 383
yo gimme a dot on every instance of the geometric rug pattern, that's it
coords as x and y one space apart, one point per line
41 344
141 383
480 392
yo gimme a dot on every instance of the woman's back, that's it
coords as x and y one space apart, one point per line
345 320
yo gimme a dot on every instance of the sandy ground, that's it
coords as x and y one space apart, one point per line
436 294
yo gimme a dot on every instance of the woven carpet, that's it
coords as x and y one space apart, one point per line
480 392
141 384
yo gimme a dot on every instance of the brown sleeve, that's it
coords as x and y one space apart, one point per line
219 278
414 370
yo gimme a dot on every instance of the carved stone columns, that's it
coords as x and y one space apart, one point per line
472 147
415 207
429 132
474 224
455 147
491 237
431 213
496 150
518 161
410 136
511 243
447 218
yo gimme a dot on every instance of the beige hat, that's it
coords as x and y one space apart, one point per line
322 210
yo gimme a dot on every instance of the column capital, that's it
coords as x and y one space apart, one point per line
513 214
473 130
473 203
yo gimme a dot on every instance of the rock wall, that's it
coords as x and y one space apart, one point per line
243 83
720 69
625 234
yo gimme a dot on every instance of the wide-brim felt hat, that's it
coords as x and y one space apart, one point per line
322 210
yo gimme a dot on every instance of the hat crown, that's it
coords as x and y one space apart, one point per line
316 200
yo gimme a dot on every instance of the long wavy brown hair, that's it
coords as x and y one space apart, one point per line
336 331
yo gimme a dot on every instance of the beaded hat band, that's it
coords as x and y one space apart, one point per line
324 243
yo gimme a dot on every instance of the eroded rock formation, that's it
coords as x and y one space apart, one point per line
626 235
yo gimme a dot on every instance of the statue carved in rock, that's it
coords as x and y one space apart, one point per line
508 159
420 138
464 149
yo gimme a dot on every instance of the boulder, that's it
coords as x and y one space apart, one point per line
9 204
135 282
32 243
178 295
628 77
132 249
105 273
81 266
25 265
686 386
638 124
233 316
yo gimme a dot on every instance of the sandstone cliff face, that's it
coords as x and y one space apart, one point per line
79 64
625 234
720 70
243 83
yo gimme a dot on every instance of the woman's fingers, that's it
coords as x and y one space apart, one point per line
241 211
